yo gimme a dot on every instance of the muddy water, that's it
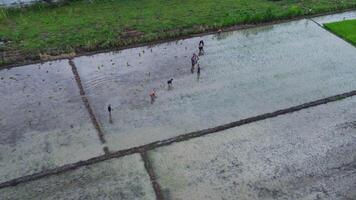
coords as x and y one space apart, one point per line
42 120
44 124
244 73
31 95
335 18
308 154
123 178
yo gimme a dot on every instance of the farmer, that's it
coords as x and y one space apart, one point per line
194 60
198 72
153 96
201 47
170 83
109 109
110 116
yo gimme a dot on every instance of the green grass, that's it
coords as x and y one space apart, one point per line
345 29
79 25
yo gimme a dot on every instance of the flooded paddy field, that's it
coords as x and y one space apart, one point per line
123 178
43 122
310 154
243 74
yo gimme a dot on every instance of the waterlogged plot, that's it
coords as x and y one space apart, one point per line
309 154
335 18
243 74
43 122
123 178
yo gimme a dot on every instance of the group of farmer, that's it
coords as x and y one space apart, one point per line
195 64
194 59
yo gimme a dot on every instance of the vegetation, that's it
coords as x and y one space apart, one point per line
345 29
85 25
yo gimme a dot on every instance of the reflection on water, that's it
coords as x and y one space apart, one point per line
256 31
244 32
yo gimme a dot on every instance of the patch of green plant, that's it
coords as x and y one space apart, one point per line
294 11
3 14
4 63
85 25
345 29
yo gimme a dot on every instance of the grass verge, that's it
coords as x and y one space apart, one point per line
87 25
344 29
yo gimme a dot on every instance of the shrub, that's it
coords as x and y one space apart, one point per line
3 13
268 15
294 11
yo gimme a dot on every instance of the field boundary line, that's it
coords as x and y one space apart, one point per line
86 103
152 175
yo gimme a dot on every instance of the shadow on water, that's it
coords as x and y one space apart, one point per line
110 118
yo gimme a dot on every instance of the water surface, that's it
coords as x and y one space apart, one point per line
244 73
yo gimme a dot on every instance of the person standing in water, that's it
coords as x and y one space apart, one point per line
153 96
170 83
194 60
201 47
110 116
109 109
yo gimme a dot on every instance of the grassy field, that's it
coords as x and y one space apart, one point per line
345 29
83 25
